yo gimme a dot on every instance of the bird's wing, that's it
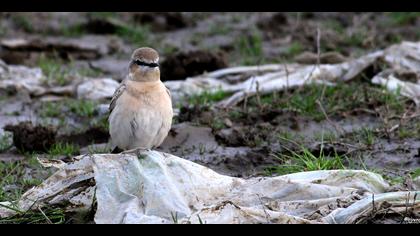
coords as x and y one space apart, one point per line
169 92
120 90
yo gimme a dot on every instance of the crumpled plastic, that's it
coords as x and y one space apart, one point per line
17 77
89 46
32 80
156 187
404 57
416 182
97 89
241 81
405 88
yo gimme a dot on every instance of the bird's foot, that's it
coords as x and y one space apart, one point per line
136 151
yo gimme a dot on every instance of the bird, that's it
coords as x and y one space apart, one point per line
140 112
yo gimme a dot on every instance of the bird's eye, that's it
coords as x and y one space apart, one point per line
138 62
142 63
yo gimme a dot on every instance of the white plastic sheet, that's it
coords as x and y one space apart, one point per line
18 77
242 81
96 89
404 57
156 187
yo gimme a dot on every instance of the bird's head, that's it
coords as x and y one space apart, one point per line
144 65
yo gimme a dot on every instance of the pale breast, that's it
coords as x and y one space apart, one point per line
142 116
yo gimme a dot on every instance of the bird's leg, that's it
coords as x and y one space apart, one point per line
136 151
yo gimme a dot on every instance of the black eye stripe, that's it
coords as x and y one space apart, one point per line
141 63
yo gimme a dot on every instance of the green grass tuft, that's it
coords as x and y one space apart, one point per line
5 142
403 18
217 124
250 49
336 100
72 31
305 160
13 181
356 39
101 123
404 133
367 136
23 23
58 73
138 35
294 49
45 215
83 108
55 73
415 173
206 97
65 149
50 109
335 25
219 29
98 150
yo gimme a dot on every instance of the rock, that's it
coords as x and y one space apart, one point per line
97 89
84 48
102 109
187 64
116 68
228 122
67 90
51 98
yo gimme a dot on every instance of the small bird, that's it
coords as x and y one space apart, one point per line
140 113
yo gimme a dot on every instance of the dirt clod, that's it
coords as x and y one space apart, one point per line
243 136
32 138
273 23
188 113
100 26
161 21
325 58
90 136
186 64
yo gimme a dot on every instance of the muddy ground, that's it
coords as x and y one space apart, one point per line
363 126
